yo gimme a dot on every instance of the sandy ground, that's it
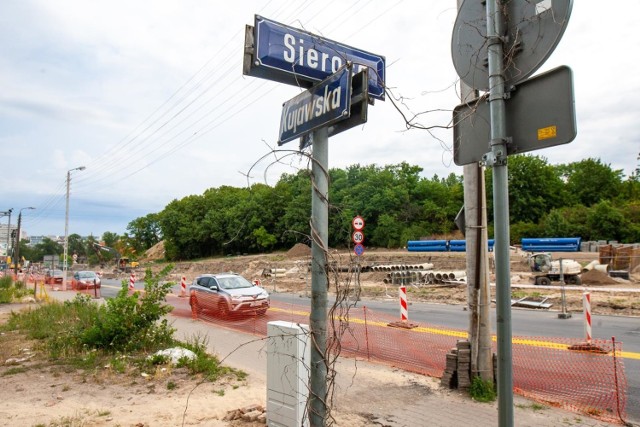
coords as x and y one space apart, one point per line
40 392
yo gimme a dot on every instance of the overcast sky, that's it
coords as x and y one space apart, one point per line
150 97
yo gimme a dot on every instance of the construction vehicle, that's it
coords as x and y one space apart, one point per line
123 264
545 269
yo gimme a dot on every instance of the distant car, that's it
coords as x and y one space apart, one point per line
53 277
226 294
85 280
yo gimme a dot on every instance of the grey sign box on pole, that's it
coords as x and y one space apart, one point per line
534 29
358 112
541 114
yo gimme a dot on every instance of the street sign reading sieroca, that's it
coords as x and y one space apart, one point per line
288 55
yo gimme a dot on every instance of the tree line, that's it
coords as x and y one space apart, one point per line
586 199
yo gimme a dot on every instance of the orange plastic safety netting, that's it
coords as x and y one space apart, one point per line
544 369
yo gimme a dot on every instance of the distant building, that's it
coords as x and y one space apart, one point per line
35 240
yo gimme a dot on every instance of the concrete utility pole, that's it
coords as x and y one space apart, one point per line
66 229
479 293
8 213
319 281
17 251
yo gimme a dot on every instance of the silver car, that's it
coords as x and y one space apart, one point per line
227 294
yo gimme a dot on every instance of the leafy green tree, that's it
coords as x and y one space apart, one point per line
144 232
110 239
264 239
589 181
555 224
535 187
76 245
607 222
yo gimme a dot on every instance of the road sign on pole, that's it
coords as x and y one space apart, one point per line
277 52
357 223
357 237
358 249
325 103
532 30
541 115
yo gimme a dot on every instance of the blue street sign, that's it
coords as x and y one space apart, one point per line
324 104
358 249
300 58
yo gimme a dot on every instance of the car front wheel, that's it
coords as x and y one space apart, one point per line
223 309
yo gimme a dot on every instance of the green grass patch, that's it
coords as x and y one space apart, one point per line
15 370
119 334
481 390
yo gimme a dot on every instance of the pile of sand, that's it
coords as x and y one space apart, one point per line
156 252
299 250
596 277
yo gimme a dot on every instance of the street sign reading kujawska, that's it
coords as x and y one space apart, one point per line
322 105
288 55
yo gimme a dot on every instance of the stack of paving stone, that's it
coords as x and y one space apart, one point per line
464 365
457 372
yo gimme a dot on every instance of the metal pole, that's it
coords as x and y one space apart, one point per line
498 159
9 231
563 314
17 251
319 284
66 229
66 236
8 237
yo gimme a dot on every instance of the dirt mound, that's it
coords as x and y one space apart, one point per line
299 250
155 252
596 277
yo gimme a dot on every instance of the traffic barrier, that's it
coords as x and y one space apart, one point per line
544 369
586 303
132 281
404 310
183 287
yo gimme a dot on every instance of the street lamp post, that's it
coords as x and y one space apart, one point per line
17 251
66 229
8 213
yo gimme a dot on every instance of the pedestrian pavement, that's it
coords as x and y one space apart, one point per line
383 395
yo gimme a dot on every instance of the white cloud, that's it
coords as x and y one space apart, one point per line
91 83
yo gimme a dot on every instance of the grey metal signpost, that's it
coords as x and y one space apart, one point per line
336 101
513 39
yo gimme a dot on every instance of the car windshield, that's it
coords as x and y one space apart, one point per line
54 273
86 275
233 282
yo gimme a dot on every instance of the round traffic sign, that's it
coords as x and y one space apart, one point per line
357 237
532 32
358 249
358 223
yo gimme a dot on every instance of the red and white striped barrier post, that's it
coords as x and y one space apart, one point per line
183 287
586 304
404 311
132 281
